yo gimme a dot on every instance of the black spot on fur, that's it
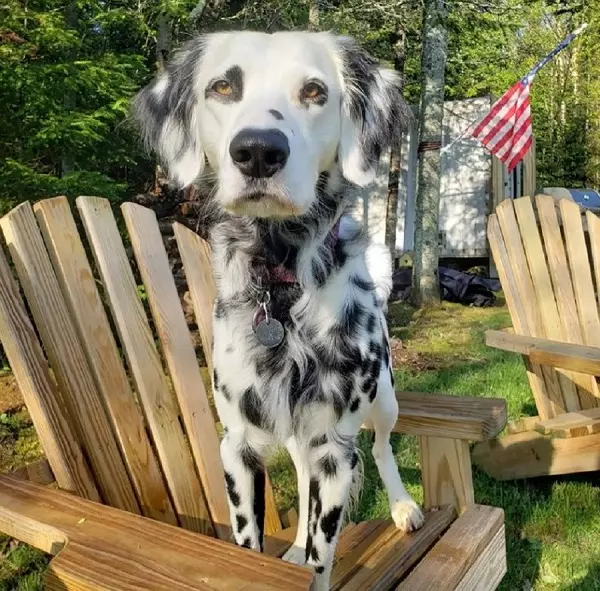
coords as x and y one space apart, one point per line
355 405
352 316
315 495
330 522
276 114
361 283
251 407
225 392
234 497
318 441
328 465
386 353
215 379
375 349
220 309
373 392
309 546
314 554
241 522
392 377
371 323
250 459
318 274
320 569
354 460
305 386
247 543
259 504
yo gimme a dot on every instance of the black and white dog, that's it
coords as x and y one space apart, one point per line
288 122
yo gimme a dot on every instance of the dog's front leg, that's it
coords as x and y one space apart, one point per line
245 480
297 553
331 467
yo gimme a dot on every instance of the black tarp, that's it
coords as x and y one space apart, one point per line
455 286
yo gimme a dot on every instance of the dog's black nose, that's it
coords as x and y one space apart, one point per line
259 153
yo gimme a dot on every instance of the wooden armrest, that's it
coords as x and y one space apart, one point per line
579 358
457 417
99 547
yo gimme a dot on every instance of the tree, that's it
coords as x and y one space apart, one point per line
425 290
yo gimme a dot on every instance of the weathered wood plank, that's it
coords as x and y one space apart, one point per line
179 353
39 472
514 302
446 473
195 255
530 454
563 289
546 302
39 390
144 363
451 559
459 417
103 548
571 424
81 294
67 359
579 358
488 570
523 424
388 557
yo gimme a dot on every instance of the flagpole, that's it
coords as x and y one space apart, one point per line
527 78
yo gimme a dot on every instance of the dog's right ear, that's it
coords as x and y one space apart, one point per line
166 111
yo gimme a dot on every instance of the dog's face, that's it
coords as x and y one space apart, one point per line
270 112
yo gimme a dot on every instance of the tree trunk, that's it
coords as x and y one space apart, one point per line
425 285
391 217
163 40
69 99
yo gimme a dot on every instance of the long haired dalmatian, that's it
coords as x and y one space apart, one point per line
288 122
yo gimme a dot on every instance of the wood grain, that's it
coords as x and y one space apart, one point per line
39 472
179 353
563 289
460 417
81 294
39 391
579 358
104 548
489 568
571 424
446 473
144 362
530 454
195 256
393 553
542 283
451 559
79 391
515 305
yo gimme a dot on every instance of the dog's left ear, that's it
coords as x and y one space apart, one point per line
373 112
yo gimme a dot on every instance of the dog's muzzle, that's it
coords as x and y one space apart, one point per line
259 153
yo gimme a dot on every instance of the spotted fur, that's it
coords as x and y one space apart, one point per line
332 372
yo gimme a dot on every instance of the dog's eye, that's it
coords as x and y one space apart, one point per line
312 91
222 87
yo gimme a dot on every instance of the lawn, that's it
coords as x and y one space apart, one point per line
552 524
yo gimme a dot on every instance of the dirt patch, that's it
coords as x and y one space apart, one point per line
10 396
412 360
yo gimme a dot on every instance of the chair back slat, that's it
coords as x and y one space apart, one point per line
195 256
79 288
61 342
581 272
516 280
540 275
32 373
563 290
153 264
144 363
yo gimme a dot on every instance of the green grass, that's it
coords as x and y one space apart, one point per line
552 524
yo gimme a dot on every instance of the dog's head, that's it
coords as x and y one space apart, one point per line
270 113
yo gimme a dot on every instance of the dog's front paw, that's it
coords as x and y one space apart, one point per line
407 516
295 555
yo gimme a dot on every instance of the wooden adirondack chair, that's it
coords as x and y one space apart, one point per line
547 253
147 446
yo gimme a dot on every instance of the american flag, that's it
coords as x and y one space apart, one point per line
507 131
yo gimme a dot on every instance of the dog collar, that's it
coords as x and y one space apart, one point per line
280 274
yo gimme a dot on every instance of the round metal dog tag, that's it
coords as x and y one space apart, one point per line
270 333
